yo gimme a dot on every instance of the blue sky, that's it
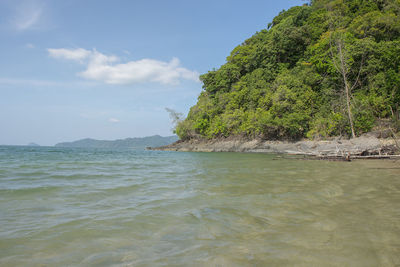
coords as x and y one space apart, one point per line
108 69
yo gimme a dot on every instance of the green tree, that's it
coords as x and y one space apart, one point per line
329 67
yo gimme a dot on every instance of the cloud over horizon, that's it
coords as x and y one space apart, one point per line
108 69
27 15
78 54
113 120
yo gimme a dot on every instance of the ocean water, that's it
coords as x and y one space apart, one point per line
81 207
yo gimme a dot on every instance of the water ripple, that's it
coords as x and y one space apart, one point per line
77 207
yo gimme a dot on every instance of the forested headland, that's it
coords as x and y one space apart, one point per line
327 68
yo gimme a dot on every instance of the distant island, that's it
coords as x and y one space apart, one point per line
130 143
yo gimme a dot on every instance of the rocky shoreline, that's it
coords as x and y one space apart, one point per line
364 146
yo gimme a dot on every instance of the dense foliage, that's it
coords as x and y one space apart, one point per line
289 81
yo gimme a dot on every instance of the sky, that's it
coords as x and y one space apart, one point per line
107 70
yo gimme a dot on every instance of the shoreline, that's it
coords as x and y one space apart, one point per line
361 147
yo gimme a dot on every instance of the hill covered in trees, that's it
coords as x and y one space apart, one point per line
128 143
327 68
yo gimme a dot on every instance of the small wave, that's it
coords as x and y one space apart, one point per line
25 191
30 174
122 189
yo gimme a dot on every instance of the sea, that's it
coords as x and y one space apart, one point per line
98 207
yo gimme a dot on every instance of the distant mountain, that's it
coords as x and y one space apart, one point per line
33 144
132 143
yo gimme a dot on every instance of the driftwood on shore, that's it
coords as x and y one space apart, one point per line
350 158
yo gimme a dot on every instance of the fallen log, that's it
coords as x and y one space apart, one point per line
351 157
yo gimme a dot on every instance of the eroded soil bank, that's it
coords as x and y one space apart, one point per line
362 146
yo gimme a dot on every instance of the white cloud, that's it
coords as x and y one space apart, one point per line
78 54
113 120
30 46
27 15
107 69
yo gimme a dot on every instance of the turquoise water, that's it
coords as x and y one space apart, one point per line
78 207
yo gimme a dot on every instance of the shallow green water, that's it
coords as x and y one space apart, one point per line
76 207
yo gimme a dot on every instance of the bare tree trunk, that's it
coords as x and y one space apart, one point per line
344 71
395 138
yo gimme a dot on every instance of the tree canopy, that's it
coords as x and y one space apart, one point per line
288 82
